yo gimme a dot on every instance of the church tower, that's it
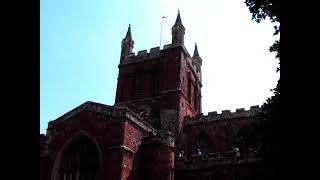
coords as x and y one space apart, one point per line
161 86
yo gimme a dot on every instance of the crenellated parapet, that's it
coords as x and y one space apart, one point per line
224 115
141 56
144 55
156 52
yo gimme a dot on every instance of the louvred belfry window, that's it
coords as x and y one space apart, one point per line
155 82
195 102
137 86
189 89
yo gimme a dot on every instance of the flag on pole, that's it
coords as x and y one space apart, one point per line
163 17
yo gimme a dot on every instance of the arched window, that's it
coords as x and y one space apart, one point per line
203 144
80 161
245 141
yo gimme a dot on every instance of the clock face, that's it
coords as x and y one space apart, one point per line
144 111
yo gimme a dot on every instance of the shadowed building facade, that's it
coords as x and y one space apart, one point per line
155 130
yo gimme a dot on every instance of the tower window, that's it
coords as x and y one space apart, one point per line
189 89
137 88
155 83
122 93
195 104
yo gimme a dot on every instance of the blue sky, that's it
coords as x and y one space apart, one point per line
80 44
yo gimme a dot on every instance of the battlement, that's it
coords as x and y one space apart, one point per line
167 46
156 52
142 52
143 55
225 114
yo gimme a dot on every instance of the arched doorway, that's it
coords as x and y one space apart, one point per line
80 160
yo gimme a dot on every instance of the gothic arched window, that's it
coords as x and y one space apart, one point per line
80 161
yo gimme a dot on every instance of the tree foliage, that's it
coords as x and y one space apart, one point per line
260 10
269 129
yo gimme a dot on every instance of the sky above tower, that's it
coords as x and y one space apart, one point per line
80 45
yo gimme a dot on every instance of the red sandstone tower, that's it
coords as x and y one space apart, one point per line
161 86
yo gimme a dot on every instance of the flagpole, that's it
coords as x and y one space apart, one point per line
161 29
160 32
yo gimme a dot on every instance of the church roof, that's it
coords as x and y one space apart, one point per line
113 111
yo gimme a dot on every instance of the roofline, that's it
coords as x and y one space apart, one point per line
114 111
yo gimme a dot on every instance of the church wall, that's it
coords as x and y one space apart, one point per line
106 131
220 135
186 103
220 129
158 159
45 164
133 136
